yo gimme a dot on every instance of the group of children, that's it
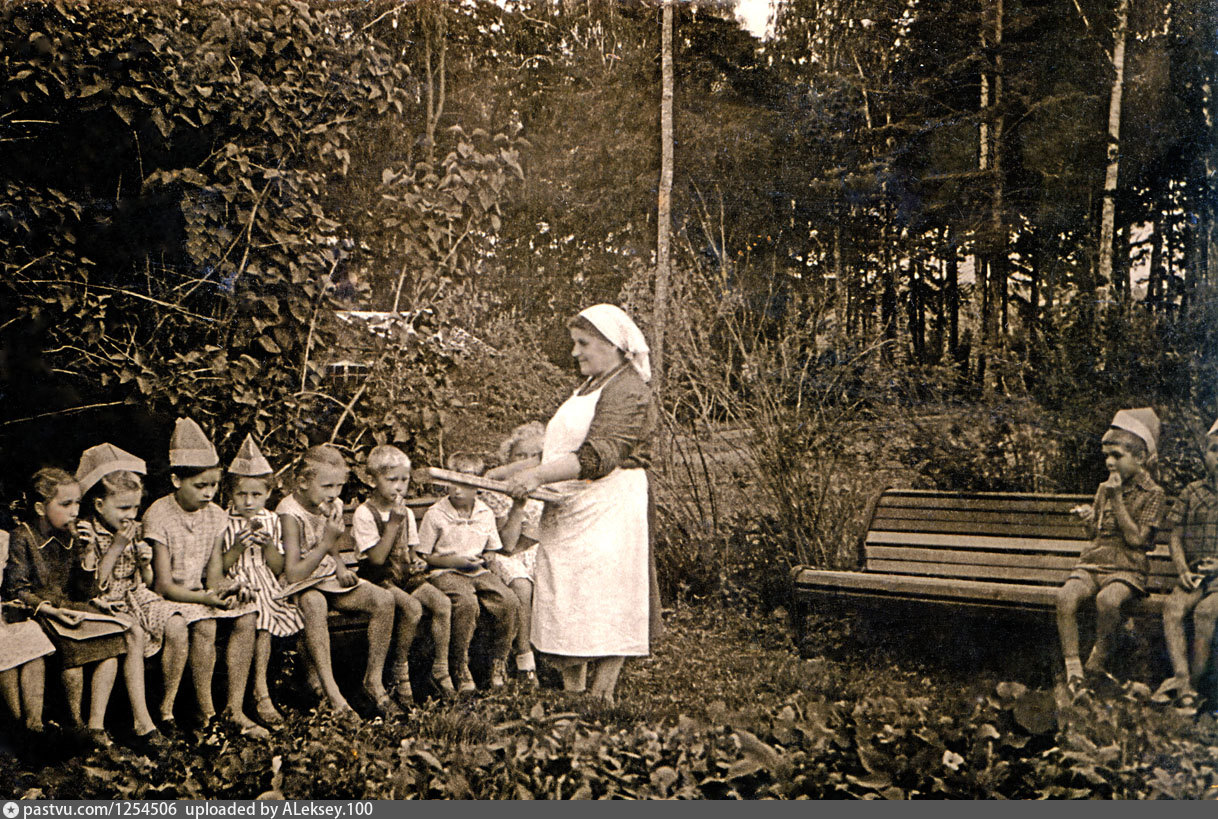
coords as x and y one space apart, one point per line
1123 520
86 582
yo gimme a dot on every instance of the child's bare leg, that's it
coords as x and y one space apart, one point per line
1179 604
33 688
262 663
133 674
523 589
313 609
502 606
378 603
10 690
1205 616
1107 620
173 663
203 665
1069 597
464 601
409 613
604 679
264 707
104 675
441 610
238 656
74 691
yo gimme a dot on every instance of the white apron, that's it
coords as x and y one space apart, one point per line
591 585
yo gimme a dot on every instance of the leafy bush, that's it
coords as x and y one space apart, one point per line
247 190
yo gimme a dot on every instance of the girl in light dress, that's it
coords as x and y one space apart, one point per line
22 669
252 557
518 531
312 521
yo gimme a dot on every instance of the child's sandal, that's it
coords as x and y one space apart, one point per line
403 695
266 711
1163 694
444 685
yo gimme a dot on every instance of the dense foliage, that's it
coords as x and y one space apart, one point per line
197 188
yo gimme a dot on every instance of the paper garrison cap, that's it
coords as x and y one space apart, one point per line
1143 423
249 462
97 462
189 446
1213 429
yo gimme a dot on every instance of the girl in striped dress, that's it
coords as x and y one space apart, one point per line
252 553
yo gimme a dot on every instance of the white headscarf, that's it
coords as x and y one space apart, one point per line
613 323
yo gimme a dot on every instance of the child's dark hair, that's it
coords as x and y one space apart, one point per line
1123 438
467 462
185 473
44 486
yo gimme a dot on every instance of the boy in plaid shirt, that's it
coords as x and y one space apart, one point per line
1122 520
1194 551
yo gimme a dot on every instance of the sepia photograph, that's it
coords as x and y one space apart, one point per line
607 399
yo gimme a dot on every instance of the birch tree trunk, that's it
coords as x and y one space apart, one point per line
1108 217
664 207
991 267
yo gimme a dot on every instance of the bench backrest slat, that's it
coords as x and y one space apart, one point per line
981 502
1064 531
1027 560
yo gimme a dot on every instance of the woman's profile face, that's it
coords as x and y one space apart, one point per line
595 355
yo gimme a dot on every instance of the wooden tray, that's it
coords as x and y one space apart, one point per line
478 482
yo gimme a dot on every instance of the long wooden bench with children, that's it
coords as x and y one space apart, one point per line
89 585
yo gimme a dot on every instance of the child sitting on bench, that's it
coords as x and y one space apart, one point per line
1121 521
1194 551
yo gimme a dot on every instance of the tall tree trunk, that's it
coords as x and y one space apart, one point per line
888 302
1108 218
842 298
1032 320
917 313
1209 213
1154 282
664 206
1120 265
435 53
951 288
992 261
998 260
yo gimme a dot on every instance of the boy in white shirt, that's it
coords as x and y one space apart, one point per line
454 535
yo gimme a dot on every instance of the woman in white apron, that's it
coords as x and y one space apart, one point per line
594 600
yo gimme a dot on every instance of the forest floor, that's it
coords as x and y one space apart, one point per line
725 708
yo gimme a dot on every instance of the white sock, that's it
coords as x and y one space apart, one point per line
1074 667
526 662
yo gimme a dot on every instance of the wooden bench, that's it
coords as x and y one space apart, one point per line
983 551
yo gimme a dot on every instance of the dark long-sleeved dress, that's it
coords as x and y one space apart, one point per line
47 569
